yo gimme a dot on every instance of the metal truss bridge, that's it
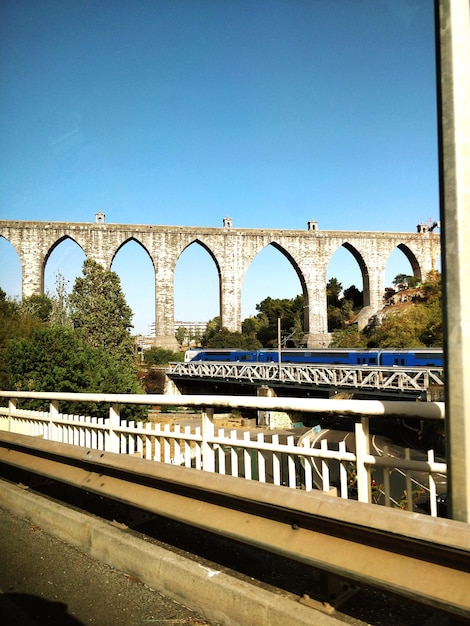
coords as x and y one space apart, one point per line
364 380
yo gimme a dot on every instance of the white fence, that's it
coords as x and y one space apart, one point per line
282 459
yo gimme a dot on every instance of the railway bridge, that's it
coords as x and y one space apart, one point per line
394 382
232 249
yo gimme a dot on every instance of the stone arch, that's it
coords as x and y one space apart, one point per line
364 271
409 254
124 243
291 260
57 243
54 249
207 248
136 270
372 273
196 292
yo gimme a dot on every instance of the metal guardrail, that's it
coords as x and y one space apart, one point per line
212 450
417 557
398 380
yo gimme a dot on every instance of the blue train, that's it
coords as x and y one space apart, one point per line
414 357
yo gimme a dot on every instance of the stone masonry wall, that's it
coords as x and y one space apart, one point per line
232 250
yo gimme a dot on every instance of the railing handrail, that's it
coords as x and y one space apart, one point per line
369 408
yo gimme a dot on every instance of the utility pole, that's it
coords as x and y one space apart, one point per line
453 82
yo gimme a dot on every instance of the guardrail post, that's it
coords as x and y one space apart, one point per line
11 407
53 414
207 431
362 470
114 421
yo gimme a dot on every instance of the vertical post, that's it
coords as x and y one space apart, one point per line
453 61
114 421
409 484
279 354
362 469
11 408
207 428
53 414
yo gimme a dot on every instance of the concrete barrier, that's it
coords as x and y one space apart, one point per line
213 593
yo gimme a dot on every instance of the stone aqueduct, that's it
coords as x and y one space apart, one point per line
232 250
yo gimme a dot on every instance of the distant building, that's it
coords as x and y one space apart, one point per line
194 331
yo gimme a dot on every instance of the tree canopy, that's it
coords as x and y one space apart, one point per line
55 358
418 324
99 312
76 343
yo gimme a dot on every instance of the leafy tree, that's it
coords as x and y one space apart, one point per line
335 318
56 358
181 334
353 294
419 325
14 323
291 314
217 337
226 339
333 290
60 312
403 281
349 337
212 328
37 305
153 379
99 311
160 356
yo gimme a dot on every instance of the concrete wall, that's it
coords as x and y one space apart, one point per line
232 250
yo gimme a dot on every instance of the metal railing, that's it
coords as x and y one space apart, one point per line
397 380
250 454
410 555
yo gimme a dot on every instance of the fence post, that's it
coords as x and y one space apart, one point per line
207 431
53 414
114 421
409 485
11 407
362 470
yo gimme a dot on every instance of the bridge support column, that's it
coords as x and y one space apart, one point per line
315 316
32 265
165 310
374 290
230 303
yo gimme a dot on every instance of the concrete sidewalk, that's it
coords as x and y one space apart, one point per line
63 566
45 581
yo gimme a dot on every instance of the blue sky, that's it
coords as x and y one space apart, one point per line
183 112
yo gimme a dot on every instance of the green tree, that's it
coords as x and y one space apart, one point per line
226 339
60 300
212 328
349 337
56 358
291 314
333 291
14 323
418 325
353 294
99 311
181 334
161 356
37 305
403 281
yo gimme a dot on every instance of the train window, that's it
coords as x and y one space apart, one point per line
373 360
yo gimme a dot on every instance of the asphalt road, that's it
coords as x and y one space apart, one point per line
44 581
